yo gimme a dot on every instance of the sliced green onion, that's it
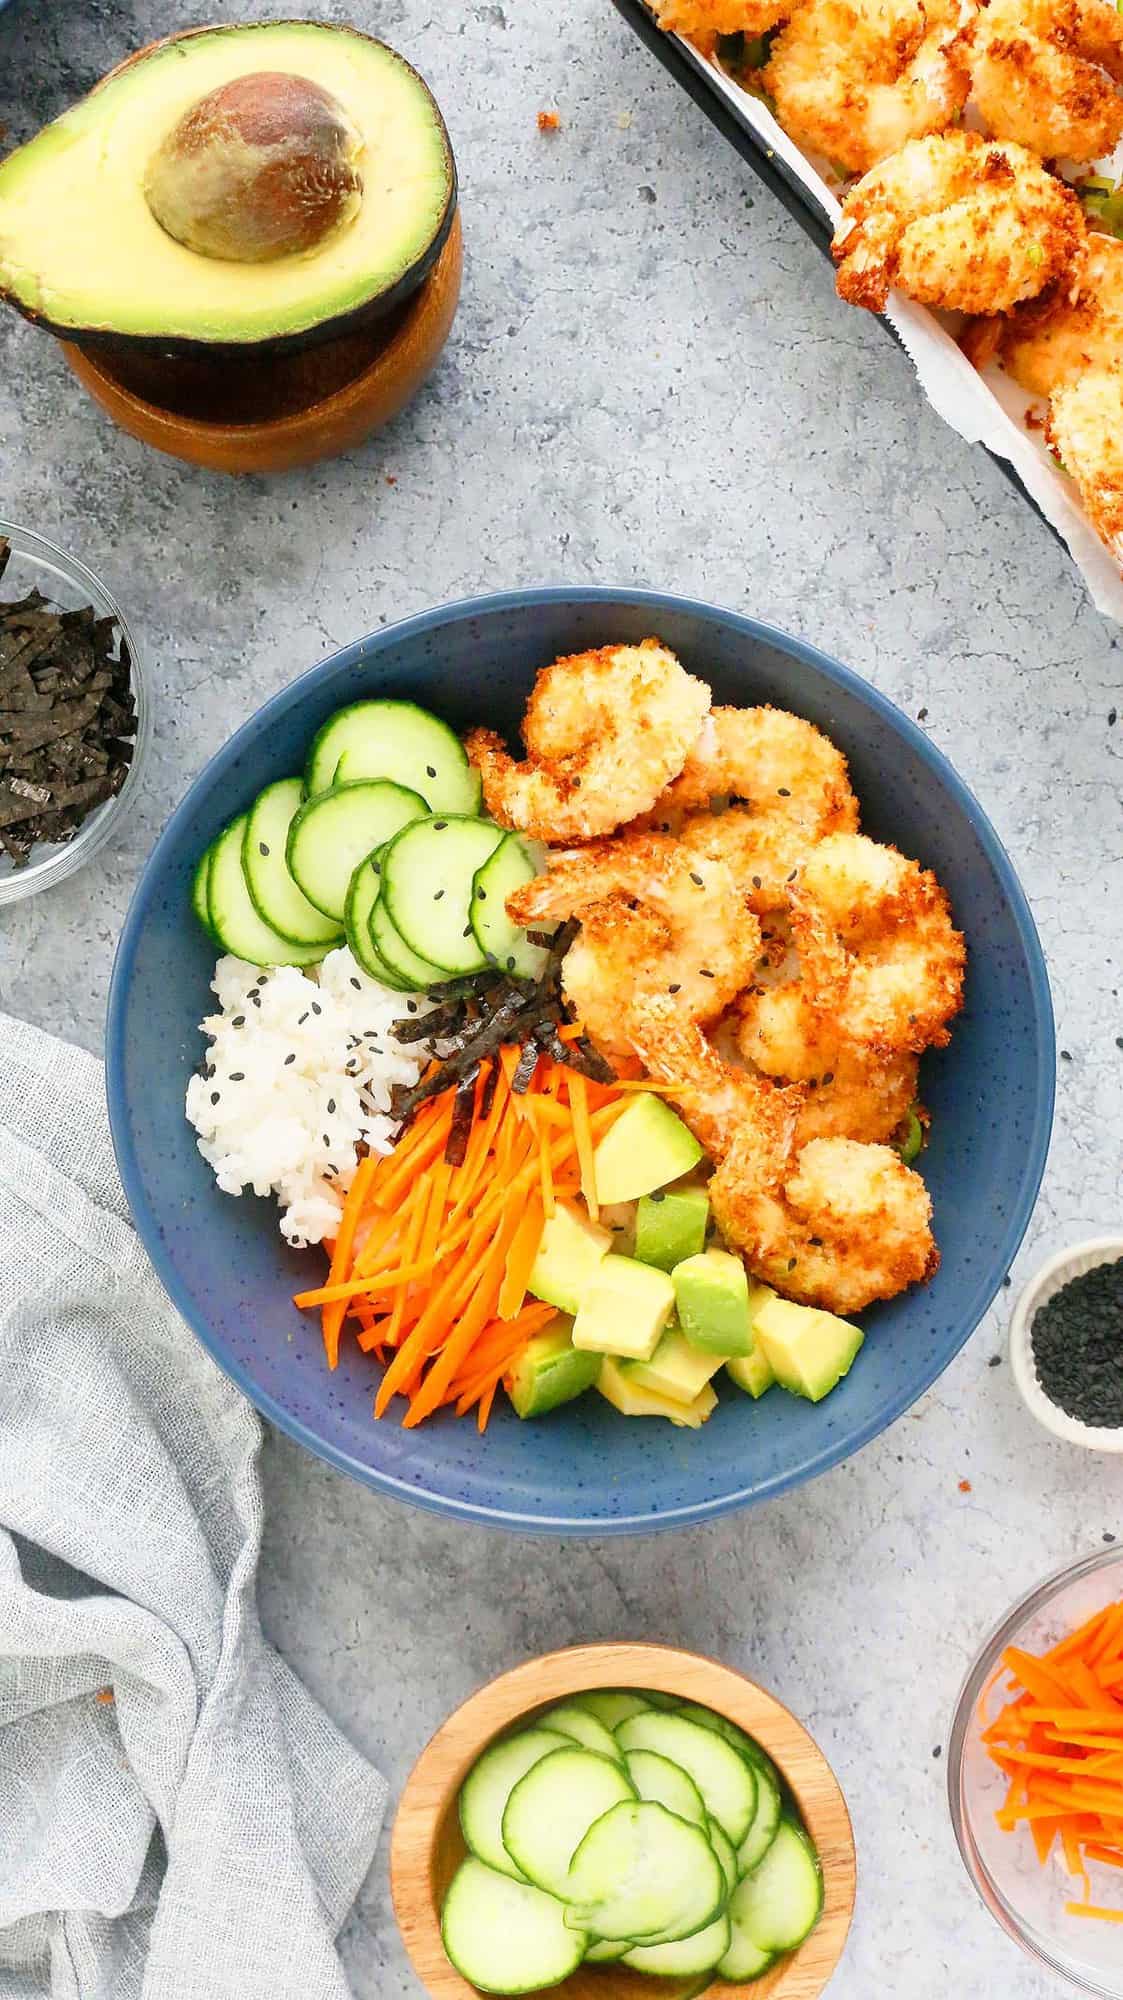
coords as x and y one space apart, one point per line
910 1137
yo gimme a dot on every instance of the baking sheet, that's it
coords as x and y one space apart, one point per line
985 407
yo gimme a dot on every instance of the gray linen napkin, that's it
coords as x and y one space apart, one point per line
202 1834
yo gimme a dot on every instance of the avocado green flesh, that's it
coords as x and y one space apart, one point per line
81 251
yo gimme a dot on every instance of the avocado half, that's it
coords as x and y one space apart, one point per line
81 251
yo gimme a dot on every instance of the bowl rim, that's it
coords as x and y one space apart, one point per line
105 820
752 630
982 1666
1072 1262
445 1760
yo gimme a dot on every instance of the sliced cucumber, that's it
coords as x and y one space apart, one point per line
642 1873
201 890
707 1718
274 894
606 1951
610 1705
725 1779
779 1903
723 1848
427 876
766 1820
505 1936
571 1720
744 1959
489 1785
551 1810
686 1955
362 894
397 740
655 1698
390 945
235 922
332 833
502 942
655 1777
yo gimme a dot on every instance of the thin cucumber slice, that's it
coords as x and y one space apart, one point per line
744 1959
766 1820
502 942
201 891
610 1705
685 1955
723 1848
427 876
235 922
488 1786
273 893
725 1779
332 833
505 1936
397 740
643 1873
390 945
655 1777
570 1720
362 894
708 1718
655 1698
779 1903
606 1951
551 1810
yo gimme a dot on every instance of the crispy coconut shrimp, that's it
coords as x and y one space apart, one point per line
957 221
704 22
1042 73
855 78
775 762
834 1223
605 732
689 935
1064 333
762 850
1085 429
851 1092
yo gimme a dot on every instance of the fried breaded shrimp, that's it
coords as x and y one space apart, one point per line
704 22
762 850
904 959
1042 73
773 761
851 1092
689 937
957 221
1068 330
605 731
835 1223
855 78
1085 429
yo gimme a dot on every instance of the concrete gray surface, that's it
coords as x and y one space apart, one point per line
650 381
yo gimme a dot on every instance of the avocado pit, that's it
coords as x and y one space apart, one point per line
260 168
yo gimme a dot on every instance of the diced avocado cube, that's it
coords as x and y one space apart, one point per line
624 1310
550 1372
671 1225
751 1372
676 1369
570 1252
809 1351
647 1147
615 1384
712 1300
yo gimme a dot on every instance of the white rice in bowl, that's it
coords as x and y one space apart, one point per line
297 1077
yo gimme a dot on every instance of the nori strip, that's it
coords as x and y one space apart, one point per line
523 1073
463 1105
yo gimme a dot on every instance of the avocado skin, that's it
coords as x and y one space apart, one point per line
367 314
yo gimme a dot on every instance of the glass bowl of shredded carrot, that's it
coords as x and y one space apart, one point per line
1035 1773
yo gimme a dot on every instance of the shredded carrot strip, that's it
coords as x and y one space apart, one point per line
1093 1910
486 1401
520 1259
582 1133
1112 1857
341 1253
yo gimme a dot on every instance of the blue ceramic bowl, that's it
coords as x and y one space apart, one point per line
585 1470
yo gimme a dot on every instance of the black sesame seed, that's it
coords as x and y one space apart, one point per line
237 1076
792 1261
411 1006
1066 1055
817 1241
674 989
938 1751
1077 1340
576 784
331 1107
302 1020
703 973
696 878
289 1060
357 984
794 873
316 1007
239 1021
1112 717
660 1194
439 825
215 1096
995 1361
261 847
327 1141
510 961
922 715
828 1076
437 896
429 771
256 998
756 881
482 895
467 932
782 792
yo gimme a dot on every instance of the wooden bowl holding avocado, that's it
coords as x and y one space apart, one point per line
262 262
696 1801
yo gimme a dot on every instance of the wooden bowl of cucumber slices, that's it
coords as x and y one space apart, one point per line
623 1822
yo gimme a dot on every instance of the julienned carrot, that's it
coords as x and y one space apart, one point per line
1092 1910
520 1258
583 1138
341 1253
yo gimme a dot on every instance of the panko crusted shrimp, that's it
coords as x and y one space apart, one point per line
605 732
1085 429
1043 72
704 22
855 78
958 221
833 1223
654 919
774 762
1064 333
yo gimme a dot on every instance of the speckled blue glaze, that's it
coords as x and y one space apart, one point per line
585 1471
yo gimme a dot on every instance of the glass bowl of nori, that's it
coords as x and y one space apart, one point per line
75 718
1032 1899
1047 1387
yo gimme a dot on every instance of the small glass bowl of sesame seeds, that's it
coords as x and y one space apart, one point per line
1053 1389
